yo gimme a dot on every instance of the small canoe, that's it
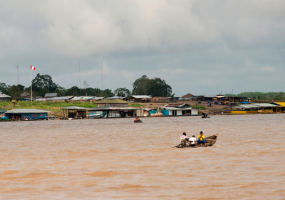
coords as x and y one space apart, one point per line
138 121
210 141
205 115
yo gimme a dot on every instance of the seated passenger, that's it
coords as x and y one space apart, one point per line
192 141
183 137
201 138
137 119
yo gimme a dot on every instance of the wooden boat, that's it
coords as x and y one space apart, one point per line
138 121
210 141
205 115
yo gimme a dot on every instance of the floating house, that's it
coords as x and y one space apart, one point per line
74 112
34 114
2 112
4 97
255 108
110 112
178 110
145 112
220 98
281 106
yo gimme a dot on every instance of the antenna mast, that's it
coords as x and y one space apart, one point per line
101 76
18 73
79 78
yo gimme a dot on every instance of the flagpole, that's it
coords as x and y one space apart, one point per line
31 84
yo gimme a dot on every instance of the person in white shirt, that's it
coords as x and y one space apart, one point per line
183 137
192 141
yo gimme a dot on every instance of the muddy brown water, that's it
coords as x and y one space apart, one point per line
117 159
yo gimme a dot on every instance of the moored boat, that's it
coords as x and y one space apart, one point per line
210 141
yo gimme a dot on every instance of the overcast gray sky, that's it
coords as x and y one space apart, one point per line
196 46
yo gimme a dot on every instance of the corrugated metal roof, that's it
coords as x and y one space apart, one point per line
73 108
41 99
76 99
141 96
264 105
281 104
2 95
82 98
49 95
20 111
176 105
113 108
171 108
255 105
249 106
98 98
60 98
115 97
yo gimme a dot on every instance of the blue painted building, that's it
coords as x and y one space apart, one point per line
178 110
21 114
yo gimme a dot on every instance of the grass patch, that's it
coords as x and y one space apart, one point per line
199 107
135 105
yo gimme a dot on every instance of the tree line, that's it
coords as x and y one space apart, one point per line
43 84
255 96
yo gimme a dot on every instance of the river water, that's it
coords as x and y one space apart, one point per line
117 159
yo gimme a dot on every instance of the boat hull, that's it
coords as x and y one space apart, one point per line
210 141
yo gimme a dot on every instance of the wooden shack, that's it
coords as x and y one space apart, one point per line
74 112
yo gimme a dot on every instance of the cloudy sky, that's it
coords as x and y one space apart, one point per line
196 46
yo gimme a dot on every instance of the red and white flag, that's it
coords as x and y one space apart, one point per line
32 68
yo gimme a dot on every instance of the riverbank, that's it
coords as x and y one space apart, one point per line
55 107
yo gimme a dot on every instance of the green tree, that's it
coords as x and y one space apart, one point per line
158 87
43 84
93 91
122 92
4 88
140 86
73 91
14 92
60 90
21 87
107 93
154 87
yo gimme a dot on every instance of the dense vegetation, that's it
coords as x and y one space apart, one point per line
256 96
43 84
